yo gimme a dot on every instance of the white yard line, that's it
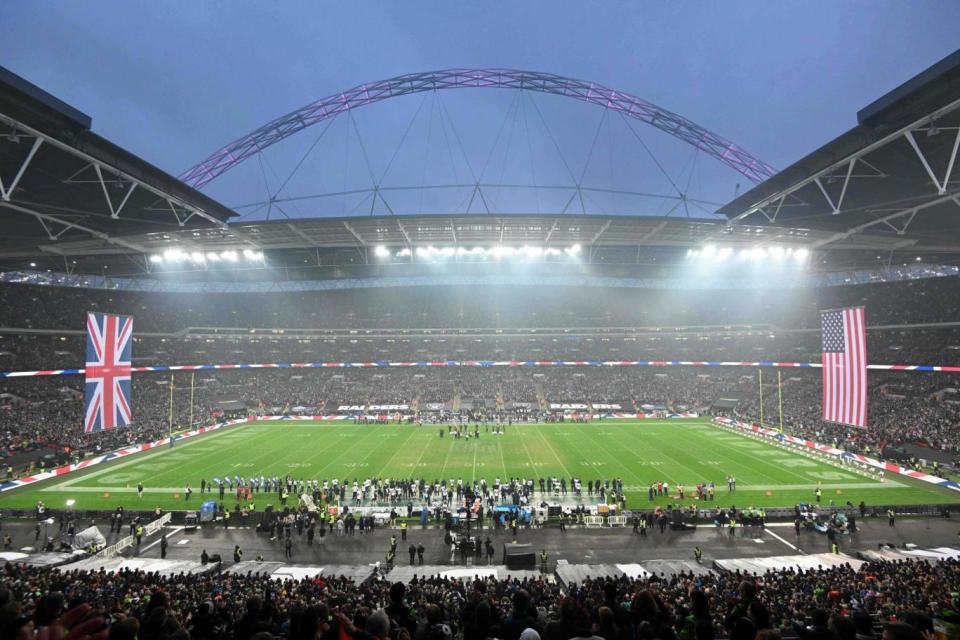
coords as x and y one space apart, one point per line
157 541
792 546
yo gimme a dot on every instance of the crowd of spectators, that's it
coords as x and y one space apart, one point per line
896 599
37 307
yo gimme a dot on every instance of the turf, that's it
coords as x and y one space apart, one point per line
638 452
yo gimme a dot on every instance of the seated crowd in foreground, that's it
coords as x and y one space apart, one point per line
898 598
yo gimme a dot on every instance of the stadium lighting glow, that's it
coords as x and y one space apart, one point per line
213 257
156 258
34 264
71 502
532 252
498 252
381 251
252 255
801 254
173 255
229 256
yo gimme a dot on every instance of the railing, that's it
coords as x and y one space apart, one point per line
114 550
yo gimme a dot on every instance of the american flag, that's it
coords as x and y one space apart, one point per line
844 358
109 354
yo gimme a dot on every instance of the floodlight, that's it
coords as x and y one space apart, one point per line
229 256
381 251
213 256
801 254
575 248
156 258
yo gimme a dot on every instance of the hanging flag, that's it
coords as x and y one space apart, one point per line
844 359
109 355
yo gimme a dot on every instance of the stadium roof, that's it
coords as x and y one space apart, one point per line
892 176
352 242
73 201
60 182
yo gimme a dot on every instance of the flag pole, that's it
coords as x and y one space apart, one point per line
170 412
193 375
760 387
780 397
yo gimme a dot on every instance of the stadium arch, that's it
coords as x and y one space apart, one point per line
629 105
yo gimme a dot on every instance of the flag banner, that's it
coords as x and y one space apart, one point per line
844 360
106 400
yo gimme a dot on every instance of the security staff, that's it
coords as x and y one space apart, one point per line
697 554
543 561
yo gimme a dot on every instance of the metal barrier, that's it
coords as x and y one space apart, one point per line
152 527
593 521
617 521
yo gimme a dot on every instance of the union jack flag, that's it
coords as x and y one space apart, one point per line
109 355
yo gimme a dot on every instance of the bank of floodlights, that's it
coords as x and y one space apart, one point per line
495 253
774 254
179 256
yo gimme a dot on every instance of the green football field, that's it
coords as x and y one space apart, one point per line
639 452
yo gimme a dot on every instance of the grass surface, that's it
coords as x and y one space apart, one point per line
638 452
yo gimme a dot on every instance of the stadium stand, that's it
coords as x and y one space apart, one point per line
898 599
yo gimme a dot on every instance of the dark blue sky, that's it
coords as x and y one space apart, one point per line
172 81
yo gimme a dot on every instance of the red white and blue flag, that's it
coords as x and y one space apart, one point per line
109 355
844 359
